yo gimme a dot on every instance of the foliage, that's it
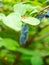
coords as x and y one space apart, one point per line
24 32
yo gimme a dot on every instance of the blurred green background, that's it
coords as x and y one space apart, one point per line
13 15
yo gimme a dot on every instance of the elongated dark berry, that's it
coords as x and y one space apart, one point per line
40 16
24 34
47 14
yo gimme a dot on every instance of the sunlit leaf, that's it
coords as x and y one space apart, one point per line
13 21
20 7
31 20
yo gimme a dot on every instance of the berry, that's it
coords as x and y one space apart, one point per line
24 34
47 14
40 16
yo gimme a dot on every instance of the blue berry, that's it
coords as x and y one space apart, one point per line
41 16
47 14
24 34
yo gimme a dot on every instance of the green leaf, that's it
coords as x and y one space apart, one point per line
29 52
30 7
25 57
13 21
25 51
23 8
33 12
36 61
41 1
20 7
1 42
10 44
31 20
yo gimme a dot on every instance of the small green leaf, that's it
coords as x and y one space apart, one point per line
10 44
31 8
31 20
33 12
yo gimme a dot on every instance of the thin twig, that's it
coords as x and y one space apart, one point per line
41 12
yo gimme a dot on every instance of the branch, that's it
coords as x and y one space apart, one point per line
41 12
